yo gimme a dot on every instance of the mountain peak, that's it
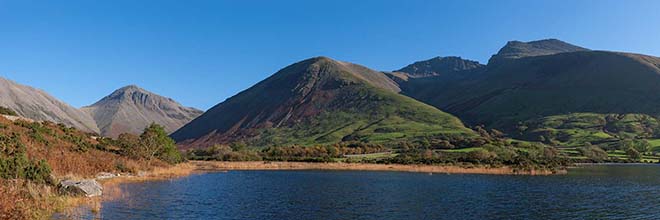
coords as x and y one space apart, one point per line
307 71
130 87
439 66
519 49
322 58
130 92
130 109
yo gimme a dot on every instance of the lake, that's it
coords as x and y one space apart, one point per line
592 192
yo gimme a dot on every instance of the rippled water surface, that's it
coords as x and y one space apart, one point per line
596 192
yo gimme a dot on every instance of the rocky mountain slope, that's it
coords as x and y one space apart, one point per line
38 105
527 81
439 66
130 109
320 101
518 49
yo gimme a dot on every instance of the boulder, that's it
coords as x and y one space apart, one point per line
105 175
142 174
88 188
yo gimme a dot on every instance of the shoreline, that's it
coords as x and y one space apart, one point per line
80 207
447 169
614 164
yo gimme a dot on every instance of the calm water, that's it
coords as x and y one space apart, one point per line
597 192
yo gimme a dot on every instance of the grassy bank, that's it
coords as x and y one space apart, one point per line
36 156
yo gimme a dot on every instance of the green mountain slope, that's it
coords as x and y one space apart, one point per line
514 90
320 101
556 93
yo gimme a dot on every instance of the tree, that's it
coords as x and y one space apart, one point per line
624 144
633 154
594 153
332 151
481 156
641 145
155 143
238 146
427 154
130 145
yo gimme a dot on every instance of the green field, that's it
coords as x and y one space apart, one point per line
615 155
464 150
581 129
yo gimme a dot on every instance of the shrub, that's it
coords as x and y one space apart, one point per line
20 167
594 153
633 154
7 111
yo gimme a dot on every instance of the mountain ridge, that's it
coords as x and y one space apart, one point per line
36 104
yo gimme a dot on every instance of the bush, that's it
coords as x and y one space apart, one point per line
633 154
224 153
594 153
20 167
7 111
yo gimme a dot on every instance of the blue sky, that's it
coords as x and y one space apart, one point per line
202 52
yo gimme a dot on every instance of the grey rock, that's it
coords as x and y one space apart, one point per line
105 175
88 188
142 174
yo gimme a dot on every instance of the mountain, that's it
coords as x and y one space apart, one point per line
557 79
422 78
319 101
130 109
518 49
439 66
38 105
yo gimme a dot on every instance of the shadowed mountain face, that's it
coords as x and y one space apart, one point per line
423 78
38 105
439 66
318 101
130 109
538 83
517 49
